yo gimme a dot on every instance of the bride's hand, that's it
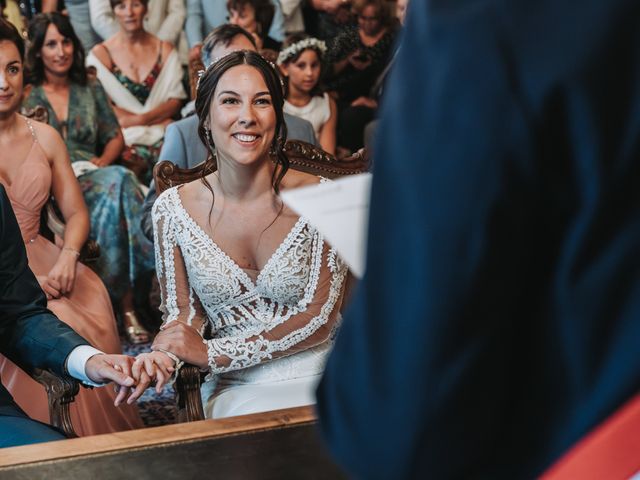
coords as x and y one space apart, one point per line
150 367
183 341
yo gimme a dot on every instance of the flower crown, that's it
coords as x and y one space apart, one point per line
294 49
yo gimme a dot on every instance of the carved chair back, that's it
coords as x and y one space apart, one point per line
302 156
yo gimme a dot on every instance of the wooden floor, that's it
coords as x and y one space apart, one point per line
281 444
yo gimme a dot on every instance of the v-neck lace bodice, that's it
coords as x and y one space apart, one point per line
291 306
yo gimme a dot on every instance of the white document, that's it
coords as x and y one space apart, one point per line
340 211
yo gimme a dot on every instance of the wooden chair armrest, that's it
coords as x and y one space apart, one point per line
188 397
61 391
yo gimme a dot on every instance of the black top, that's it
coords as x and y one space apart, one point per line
352 83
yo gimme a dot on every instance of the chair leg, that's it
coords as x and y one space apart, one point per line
188 394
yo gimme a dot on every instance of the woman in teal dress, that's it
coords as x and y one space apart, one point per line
80 110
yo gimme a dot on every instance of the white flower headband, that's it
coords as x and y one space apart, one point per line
293 50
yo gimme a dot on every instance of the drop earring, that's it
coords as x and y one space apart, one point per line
210 144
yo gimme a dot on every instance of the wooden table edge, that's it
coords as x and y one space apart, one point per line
153 436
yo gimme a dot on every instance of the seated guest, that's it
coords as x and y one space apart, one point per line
80 111
265 291
143 77
326 19
255 16
34 165
32 337
300 63
362 108
164 19
356 58
182 145
204 15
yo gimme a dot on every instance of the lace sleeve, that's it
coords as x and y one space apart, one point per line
178 300
287 334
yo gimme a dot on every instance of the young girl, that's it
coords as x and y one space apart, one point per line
300 63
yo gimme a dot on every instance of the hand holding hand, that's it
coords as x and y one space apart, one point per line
150 367
105 368
183 341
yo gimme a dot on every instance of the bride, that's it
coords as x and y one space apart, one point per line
250 291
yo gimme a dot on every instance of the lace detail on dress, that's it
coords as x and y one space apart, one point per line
296 293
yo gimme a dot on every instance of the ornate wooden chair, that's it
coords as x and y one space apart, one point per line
303 157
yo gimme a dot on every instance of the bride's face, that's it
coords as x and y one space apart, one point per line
10 77
242 117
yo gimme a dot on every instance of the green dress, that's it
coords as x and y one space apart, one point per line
112 194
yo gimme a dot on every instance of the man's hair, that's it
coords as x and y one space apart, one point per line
9 33
224 34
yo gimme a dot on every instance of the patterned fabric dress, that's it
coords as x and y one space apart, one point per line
147 154
112 194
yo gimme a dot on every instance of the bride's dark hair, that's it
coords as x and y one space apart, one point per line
207 86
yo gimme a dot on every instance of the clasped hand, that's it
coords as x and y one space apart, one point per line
156 367
60 280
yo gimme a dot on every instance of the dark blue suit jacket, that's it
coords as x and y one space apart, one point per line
30 335
499 317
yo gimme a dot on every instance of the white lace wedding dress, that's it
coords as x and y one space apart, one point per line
267 339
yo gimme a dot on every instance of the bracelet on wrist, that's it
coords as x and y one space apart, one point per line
178 363
72 250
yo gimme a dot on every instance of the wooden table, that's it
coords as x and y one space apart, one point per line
281 444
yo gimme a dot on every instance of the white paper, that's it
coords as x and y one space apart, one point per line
340 211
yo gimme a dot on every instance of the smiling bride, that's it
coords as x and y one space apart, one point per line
250 291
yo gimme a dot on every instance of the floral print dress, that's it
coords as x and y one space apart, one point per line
113 194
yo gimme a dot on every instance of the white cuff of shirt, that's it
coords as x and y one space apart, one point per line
77 360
